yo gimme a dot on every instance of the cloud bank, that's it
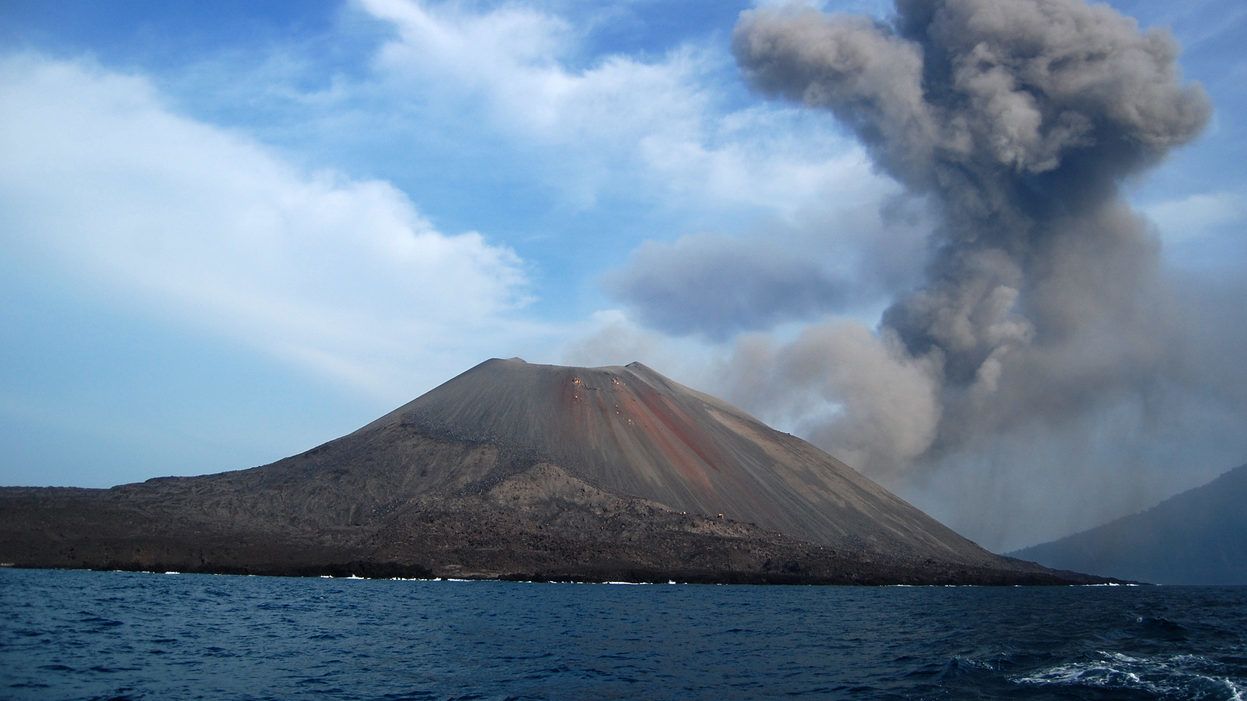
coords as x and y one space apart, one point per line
593 126
199 224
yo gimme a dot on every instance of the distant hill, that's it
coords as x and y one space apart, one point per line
1196 537
527 471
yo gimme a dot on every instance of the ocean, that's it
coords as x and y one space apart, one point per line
105 635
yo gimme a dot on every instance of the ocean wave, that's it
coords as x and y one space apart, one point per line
194 637
1178 676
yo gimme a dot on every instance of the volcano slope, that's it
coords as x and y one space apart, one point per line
518 470
1196 537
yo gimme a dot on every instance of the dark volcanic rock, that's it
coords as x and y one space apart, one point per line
521 471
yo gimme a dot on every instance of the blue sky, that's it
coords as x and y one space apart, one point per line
234 230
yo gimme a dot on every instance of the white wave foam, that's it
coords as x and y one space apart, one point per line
1183 676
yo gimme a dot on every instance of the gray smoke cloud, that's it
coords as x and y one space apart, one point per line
726 285
1043 299
718 286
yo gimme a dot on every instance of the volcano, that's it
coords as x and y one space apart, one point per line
518 470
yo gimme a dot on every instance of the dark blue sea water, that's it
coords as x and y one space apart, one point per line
84 635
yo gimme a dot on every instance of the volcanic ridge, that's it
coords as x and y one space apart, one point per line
522 471
1196 537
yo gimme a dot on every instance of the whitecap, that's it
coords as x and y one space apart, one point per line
1177 675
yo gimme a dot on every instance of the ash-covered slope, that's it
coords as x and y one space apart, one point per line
1196 537
521 470
629 430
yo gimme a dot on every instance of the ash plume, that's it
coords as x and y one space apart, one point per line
1019 120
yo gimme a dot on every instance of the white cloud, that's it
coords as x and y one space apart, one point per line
660 128
611 337
1197 216
516 60
211 229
